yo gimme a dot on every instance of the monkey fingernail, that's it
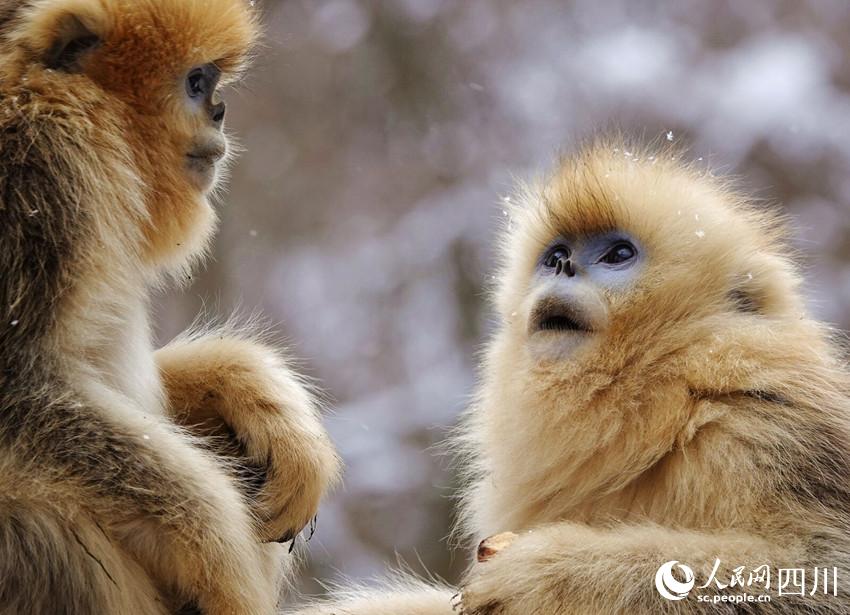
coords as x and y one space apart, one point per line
290 535
494 544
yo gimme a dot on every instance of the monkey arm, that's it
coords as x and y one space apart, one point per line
143 483
255 410
402 596
568 568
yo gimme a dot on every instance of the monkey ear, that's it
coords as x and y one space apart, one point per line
72 40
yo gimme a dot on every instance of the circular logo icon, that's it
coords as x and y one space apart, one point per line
669 586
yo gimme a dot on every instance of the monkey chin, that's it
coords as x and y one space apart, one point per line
202 172
203 161
555 345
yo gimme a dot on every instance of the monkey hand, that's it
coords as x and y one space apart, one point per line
574 569
511 577
250 407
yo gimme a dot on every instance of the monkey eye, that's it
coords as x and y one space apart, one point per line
196 84
620 252
554 255
201 81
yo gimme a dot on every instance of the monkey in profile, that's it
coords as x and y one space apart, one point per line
654 393
132 480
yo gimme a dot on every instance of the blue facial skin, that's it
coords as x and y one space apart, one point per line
571 289
201 83
609 260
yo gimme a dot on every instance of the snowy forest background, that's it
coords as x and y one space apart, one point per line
380 137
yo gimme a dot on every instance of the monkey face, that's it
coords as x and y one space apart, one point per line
209 146
614 256
155 68
572 286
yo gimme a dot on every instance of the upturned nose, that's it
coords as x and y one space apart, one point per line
217 113
565 266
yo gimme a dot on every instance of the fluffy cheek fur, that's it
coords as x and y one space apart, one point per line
180 218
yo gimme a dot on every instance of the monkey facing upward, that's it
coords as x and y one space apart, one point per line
654 391
132 481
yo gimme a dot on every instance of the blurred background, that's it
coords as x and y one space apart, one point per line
380 138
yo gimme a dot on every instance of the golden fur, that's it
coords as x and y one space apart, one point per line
709 418
131 481
145 46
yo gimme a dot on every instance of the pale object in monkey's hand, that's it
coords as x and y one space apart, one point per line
492 546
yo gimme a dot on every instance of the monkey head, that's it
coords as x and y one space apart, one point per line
140 81
630 285
616 251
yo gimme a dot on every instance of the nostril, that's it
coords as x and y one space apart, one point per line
217 112
565 265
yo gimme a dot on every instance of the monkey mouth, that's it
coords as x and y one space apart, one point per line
203 158
555 315
201 163
560 323
209 154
